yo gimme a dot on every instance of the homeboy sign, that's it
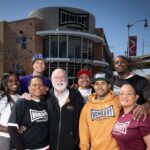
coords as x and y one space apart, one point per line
66 17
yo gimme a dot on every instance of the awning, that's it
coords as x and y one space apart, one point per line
93 37
76 60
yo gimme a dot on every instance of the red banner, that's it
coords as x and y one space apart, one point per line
132 45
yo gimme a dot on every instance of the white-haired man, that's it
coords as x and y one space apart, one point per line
64 106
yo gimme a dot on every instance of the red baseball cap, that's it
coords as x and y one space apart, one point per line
84 71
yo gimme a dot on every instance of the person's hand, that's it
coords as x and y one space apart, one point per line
21 129
74 86
26 96
45 90
139 111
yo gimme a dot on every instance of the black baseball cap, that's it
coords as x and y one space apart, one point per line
101 76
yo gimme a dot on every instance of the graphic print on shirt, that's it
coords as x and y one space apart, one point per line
121 127
116 90
38 116
102 113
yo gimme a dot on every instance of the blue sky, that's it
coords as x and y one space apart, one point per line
112 15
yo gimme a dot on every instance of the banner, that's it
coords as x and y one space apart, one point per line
132 45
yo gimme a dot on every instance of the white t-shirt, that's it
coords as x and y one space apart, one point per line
62 98
85 93
5 111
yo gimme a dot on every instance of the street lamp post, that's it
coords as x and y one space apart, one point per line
129 25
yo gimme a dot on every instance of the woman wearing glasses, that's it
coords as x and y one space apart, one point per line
129 133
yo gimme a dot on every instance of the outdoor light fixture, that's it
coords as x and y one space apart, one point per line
131 25
145 23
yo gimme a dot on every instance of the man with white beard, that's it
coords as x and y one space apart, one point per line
64 106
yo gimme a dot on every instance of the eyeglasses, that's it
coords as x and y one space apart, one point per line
60 78
127 94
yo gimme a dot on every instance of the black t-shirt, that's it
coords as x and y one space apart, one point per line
140 83
34 117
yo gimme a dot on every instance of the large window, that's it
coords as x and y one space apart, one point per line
63 66
74 47
85 49
70 69
62 46
73 68
46 46
90 49
77 68
53 66
54 46
78 49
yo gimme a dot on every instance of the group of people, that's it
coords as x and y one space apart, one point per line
99 113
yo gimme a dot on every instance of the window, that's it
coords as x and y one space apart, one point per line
62 46
16 68
22 40
46 46
84 49
74 49
90 49
54 46
71 70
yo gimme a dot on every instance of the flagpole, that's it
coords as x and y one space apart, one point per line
128 40
143 47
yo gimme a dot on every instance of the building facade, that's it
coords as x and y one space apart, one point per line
66 36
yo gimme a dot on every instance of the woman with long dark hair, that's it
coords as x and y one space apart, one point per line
9 88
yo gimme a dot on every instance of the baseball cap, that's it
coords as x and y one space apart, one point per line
38 57
84 71
101 76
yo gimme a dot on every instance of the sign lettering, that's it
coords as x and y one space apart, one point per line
66 17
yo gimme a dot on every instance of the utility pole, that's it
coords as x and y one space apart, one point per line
129 25
143 47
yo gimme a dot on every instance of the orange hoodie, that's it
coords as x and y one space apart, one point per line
97 120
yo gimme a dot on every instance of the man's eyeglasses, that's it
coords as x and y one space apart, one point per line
59 78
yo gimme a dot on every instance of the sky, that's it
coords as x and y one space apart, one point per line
111 15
